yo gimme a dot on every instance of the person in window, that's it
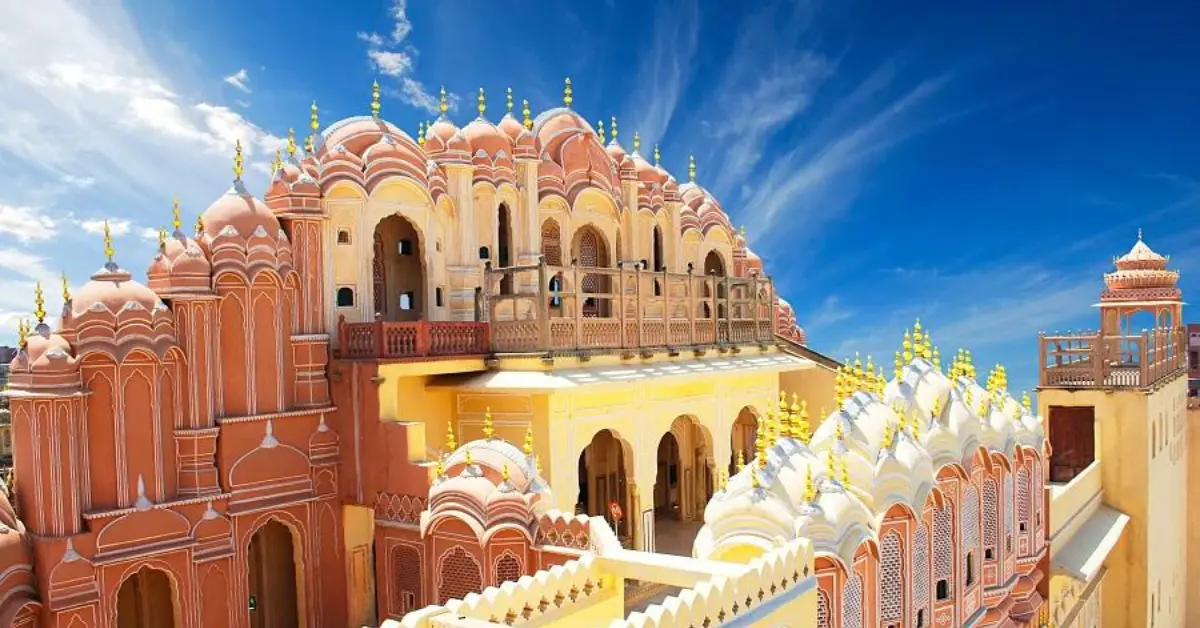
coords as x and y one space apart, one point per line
555 289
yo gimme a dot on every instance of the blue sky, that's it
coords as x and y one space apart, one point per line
978 167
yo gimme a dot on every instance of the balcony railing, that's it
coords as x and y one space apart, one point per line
419 339
570 309
1096 360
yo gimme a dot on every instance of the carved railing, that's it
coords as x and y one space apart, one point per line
1097 360
562 309
418 339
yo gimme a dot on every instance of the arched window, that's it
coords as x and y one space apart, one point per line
970 532
343 236
345 297
852 602
990 530
656 249
943 551
891 588
460 575
920 558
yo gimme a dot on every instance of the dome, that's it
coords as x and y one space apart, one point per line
1140 256
445 142
180 266
356 134
237 212
47 352
554 122
520 137
485 136
112 290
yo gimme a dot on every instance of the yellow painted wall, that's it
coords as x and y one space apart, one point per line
1192 455
602 612
814 385
358 532
1142 479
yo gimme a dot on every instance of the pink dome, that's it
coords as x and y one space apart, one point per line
180 266
238 212
522 140
112 290
356 134
485 136
444 141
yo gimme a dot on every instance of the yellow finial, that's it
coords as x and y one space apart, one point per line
658 157
277 163
723 479
775 427
782 400
810 491
1026 402
314 122
837 429
880 382
375 99
692 168
108 245
291 145
907 346
468 459
902 415
839 379
162 237
443 104
637 141
741 460
760 443
600 130
451 441
887 435
845 472
309 147
488 429
529 440
870 373
937 359
918 339
199 225
858 372
537 464
805 435
66 294
899 365
40 303
237 160
927 347
612 129
528 122
439 469
176 218
568 97
755 483
830 470
421 134
504 472
482 107
22 333
508 102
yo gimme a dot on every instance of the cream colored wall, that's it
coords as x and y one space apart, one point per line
1143 482
815 385
1191 453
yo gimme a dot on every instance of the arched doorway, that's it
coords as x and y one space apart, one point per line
274 600
714 266
145 600
603 480
399 269
656 249
504 247
741 437
666 483
591 251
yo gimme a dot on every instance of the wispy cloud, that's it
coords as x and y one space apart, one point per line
394 57
830 312
664 71
240 80
27 224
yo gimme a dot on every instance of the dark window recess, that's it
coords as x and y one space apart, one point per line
943 590
555 287
484 253
1072 439
343 237
345 297
1024 526
406 247
921 618
437 296
408 300
970 568
989 553
1009 544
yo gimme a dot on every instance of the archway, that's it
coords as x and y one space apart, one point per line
273 601
603 474
656 249
714 267
504 247
399 270
667 481
145 600
590 250
741 437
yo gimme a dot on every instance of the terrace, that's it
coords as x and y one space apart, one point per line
1097 360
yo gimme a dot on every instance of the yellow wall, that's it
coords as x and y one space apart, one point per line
1143 481
814 385
358 530
1192 455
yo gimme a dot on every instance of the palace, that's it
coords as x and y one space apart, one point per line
514 373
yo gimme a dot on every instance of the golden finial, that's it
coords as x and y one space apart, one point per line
830 469
314 122
528 122
881 382
568 97
741 461
870 373
443 104
108 245
66 294
199 225
887 435
451 441
760 442
1026 402
927 347
612 129
277 163
902 416
658 157
508 101
162 237
692 168
22 333
918 339
40 302
537 465
969 398
237 161
439 469
839 379
421 134
937 359
810 491
176 219
755 483
309 148
837 429
482 107
858 372
723 479
488 429
468 459
600 130
805 433
504 473
782 400
777 426
907 346
291 145
375 98
845 472
637 142
529 440
899 365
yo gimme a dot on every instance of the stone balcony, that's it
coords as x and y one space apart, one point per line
1097 360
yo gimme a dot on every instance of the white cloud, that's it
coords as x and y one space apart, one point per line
147 233
27 224
24 270
394 58
664 72
77 182
240 80
830 312
116 226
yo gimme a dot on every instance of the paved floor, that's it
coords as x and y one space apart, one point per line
675 537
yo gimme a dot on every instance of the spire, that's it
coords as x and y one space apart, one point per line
439 469
22 333
805 432
314 122
488 430
1139 234
451 442
918 340
907 346
504 472
176 217
162 237
692 168
772 427
637 142
421 134
108 248
199 225
937 359
899 366
237 161
613 129
810 491
658 157
741 461
443 104
277 163
568 96
600 130
468 459
39 302
66 292
529 440
528 122
375 99
760 443
508 102
482 106
291 145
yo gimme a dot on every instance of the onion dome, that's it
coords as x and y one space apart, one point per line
785 322
44 361
395 155
708 209
1141 275
570 142
518 132
491 149
444 142
625 167
239 232
290 181
181 267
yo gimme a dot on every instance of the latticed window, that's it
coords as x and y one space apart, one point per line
1008 513
1035 489
852 602
823 618
508 567
891 589
990 531
406 573
970 531
1023 499
943 547
460 575
551 243
920 558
